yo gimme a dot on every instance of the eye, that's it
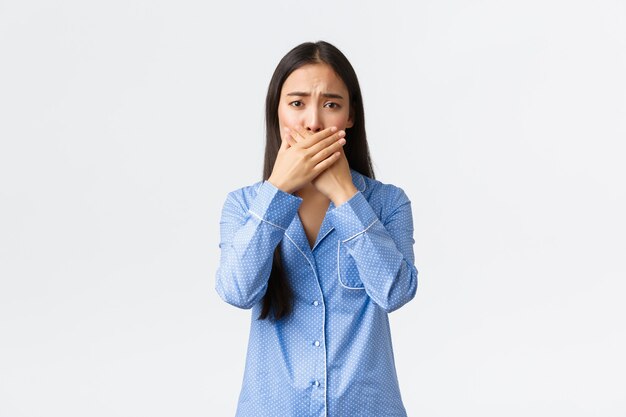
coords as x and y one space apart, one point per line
296 103
332 105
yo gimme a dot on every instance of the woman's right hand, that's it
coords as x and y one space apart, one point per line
297 163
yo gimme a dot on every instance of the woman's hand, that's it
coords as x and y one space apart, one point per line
299 163
335 182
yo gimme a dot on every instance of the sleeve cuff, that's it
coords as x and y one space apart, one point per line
352 217
274 206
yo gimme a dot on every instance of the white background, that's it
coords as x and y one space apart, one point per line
123 124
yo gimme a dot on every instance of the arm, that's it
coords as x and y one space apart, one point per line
248 238
381 248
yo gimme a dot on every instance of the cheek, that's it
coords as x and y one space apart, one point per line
338 119
285 117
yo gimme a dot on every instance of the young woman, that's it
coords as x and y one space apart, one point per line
319 250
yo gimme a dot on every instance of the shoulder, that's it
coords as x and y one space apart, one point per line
376 191
247 190
243 196
385 198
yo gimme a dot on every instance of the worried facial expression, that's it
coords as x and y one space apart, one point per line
314 97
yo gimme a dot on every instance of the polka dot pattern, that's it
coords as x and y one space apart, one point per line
333 355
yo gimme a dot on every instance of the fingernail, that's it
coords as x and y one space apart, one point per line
342 133
333 129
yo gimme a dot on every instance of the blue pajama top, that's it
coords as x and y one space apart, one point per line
333 355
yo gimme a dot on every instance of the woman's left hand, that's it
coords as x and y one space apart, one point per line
336 181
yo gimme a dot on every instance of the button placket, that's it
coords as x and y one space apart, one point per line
318 380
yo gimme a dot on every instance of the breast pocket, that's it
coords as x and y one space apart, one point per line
347 272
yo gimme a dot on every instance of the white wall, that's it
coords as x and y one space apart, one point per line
123 124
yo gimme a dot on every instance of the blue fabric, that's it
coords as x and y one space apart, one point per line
333 355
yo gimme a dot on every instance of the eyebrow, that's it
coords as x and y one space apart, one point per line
304 94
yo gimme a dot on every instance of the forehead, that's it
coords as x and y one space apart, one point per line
312 77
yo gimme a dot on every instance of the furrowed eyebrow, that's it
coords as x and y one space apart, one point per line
304 94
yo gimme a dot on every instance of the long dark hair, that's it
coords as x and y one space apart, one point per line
278 298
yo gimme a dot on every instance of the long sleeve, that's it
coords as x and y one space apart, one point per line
381 249
248 238
319 360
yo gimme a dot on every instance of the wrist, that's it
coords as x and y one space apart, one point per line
343 194
278 185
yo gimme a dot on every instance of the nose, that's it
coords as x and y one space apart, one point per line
313 121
